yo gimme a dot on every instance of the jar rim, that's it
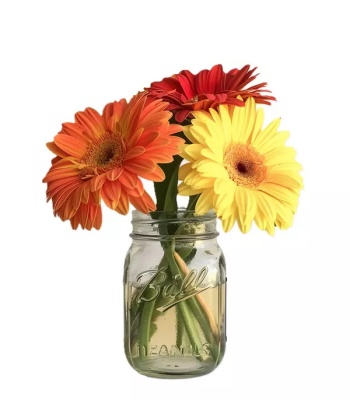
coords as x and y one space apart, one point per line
181 213
165 225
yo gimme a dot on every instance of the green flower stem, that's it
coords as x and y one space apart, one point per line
181 335
146 321
192 201
200 311
204 324
199 306
191 313
147 315
190 324
185 311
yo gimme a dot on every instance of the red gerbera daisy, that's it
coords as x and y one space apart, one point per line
187 92
104 156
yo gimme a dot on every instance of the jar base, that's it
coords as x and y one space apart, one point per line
172 367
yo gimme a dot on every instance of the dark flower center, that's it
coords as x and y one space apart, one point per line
106 152
245 165
241 168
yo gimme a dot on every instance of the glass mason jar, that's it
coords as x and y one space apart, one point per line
175 295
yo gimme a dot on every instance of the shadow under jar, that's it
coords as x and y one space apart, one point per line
174 295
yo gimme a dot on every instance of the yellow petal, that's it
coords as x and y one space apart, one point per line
216 146
245 228
249 120
266 208
280 155
226 126
237 123
289 180
223 201
197 132
224 185
247 206
277 140
228 223
270 228
205 201
185 190
197 181
281 193
267 134
260 219
209 153
210 168
184 170
286 167
259 119
216 118
285 217
193 151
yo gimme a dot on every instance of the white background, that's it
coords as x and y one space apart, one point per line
61 323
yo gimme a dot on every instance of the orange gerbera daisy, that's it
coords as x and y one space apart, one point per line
104 157
187 92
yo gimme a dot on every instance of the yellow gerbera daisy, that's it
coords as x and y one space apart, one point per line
242 171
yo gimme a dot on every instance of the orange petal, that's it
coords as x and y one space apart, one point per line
114 110
134 152
70 145
78 131
88 216
97 182
53 192
137 191
143 203
123 204
157 175
145 168
114 173
128 179
92 121
56 150
147 140
111 192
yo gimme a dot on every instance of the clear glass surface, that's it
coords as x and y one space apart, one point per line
175 293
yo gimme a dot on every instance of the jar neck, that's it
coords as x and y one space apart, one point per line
177 224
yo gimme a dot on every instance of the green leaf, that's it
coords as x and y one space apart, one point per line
192 201
166 191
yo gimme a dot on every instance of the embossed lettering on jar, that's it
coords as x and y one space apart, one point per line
175 292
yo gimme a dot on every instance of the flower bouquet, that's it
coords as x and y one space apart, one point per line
196 135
